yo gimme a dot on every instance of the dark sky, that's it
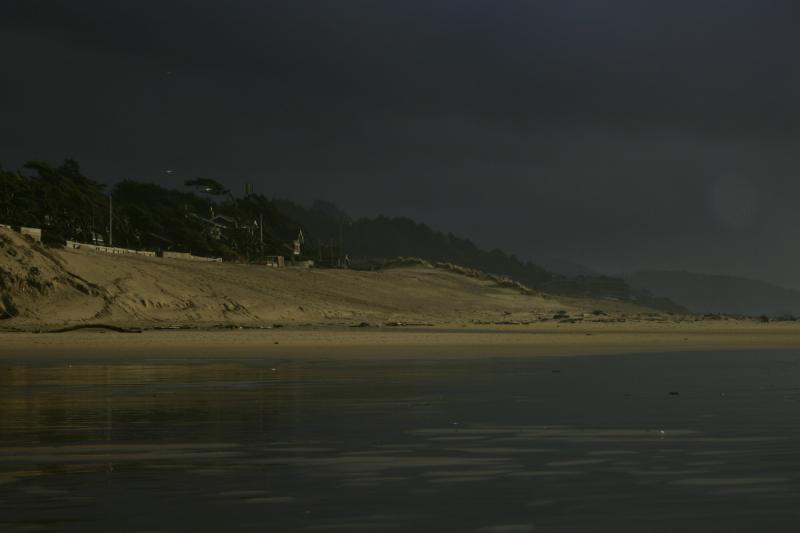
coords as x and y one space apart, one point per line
616 134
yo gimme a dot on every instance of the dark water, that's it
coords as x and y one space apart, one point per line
568 444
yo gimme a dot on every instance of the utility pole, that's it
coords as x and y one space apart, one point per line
110 220
341 244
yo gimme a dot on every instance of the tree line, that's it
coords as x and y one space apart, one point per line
69 206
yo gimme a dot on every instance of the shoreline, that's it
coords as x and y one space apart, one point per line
437 342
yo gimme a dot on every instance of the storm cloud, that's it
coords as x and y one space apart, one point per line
618 134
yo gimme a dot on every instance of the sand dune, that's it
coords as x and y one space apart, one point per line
44 287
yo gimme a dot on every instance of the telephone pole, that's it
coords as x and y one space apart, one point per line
341 244
110 220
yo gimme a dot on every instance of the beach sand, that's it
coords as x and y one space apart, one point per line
398 342
46 288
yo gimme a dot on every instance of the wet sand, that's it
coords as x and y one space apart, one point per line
697 441
488 429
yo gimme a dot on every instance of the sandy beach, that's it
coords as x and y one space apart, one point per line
398 342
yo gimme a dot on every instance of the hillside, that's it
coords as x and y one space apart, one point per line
42 287
703 293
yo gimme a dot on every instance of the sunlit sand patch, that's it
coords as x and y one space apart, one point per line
728 481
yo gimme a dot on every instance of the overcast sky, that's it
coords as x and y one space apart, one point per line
616 134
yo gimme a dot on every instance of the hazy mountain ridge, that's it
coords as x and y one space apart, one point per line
708 293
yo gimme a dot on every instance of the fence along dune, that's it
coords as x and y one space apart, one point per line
118 251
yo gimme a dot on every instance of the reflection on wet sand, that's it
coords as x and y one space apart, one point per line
423 446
